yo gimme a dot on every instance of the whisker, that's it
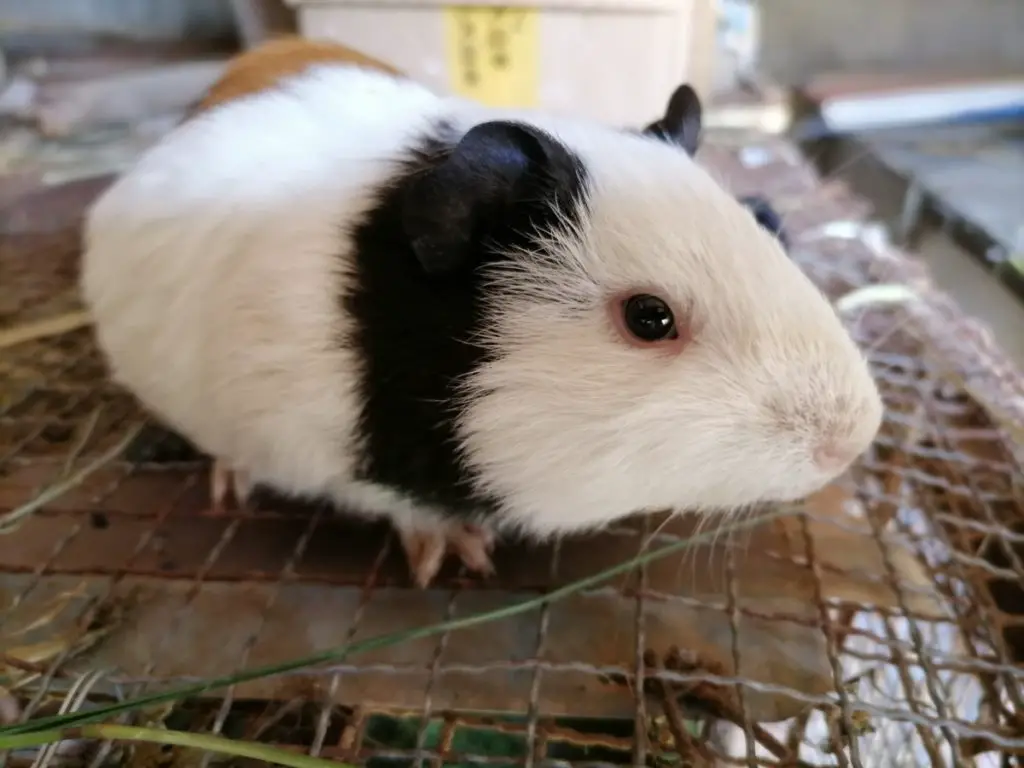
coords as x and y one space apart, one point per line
847 164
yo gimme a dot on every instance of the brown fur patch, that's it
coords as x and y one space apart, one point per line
266 65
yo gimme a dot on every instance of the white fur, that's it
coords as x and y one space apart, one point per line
212 271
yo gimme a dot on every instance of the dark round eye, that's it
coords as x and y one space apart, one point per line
649 318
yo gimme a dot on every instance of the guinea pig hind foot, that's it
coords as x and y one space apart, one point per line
426 548
224 478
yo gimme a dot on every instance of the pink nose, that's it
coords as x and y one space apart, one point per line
835 455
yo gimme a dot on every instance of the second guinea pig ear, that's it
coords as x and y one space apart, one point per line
766 216
682 122
450 210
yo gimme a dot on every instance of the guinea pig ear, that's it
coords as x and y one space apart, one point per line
449 211
682 121
766 216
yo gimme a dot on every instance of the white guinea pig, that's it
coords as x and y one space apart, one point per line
468 321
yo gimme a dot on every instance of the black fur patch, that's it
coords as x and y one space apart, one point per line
415 331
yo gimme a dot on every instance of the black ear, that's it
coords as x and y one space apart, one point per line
681 123
450 210
766 216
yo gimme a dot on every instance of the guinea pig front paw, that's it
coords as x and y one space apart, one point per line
425 549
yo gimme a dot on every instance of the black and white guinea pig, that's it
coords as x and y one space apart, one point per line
465 320
682 125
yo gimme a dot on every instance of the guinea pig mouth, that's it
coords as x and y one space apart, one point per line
794 486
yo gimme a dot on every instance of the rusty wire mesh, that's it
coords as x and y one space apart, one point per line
896 650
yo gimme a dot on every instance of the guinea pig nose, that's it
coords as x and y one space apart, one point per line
834 455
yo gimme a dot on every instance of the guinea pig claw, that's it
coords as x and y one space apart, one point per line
222 478
474 546
426 551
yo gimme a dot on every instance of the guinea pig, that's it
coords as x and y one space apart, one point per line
469 321
681 125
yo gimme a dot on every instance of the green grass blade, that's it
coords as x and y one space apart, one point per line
218 744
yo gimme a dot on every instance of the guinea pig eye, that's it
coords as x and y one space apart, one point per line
649 319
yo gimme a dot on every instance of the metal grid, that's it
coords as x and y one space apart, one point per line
897 650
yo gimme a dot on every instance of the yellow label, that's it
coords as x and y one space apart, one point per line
492 54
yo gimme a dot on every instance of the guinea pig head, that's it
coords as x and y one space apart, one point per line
643 343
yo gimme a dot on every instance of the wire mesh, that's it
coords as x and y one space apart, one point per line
811 651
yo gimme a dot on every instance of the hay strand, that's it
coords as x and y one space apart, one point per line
41 329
